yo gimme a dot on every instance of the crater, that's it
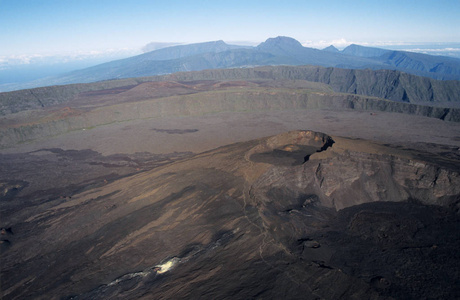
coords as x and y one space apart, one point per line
291 148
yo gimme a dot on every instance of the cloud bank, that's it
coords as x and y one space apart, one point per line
8 61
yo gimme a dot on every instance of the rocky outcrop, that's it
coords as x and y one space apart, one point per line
355 172
389 198
290 148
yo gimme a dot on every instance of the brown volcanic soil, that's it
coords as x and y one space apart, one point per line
93 213
232 226
220 129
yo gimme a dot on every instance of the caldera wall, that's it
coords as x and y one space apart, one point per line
236 100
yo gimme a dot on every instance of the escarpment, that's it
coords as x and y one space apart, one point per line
342 172
383 196
176 99
385 84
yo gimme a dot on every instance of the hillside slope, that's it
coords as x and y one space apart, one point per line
296 215
357 50
422 64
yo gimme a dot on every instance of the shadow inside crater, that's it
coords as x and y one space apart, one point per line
286 156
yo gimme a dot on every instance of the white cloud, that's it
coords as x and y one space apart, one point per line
42 59
433 50
427 48
11 60
342 43
321 44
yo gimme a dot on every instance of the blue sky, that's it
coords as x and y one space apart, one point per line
65 26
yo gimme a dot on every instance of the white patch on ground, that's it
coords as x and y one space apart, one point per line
163 268
128 276
159 269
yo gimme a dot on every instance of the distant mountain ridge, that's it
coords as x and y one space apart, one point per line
357 50
437 67
274 51
331 48
157 45
175 52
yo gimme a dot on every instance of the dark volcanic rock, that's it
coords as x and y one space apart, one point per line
390 246
356 220
387 84
353 172
283 150
64 173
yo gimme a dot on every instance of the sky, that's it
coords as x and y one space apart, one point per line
70 27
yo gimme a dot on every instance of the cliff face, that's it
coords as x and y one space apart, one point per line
297 215
351 172
255 98
13 102
386 84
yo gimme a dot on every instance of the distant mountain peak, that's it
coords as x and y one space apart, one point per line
356 47
331 48
219 42
281 42
279 50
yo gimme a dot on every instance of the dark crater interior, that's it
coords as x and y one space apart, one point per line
287 156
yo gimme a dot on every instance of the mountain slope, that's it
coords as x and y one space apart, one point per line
181 51
146 67
299 215
418 63
274 51
162 61
357 50
437 67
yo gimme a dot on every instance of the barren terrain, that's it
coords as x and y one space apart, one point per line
229 189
